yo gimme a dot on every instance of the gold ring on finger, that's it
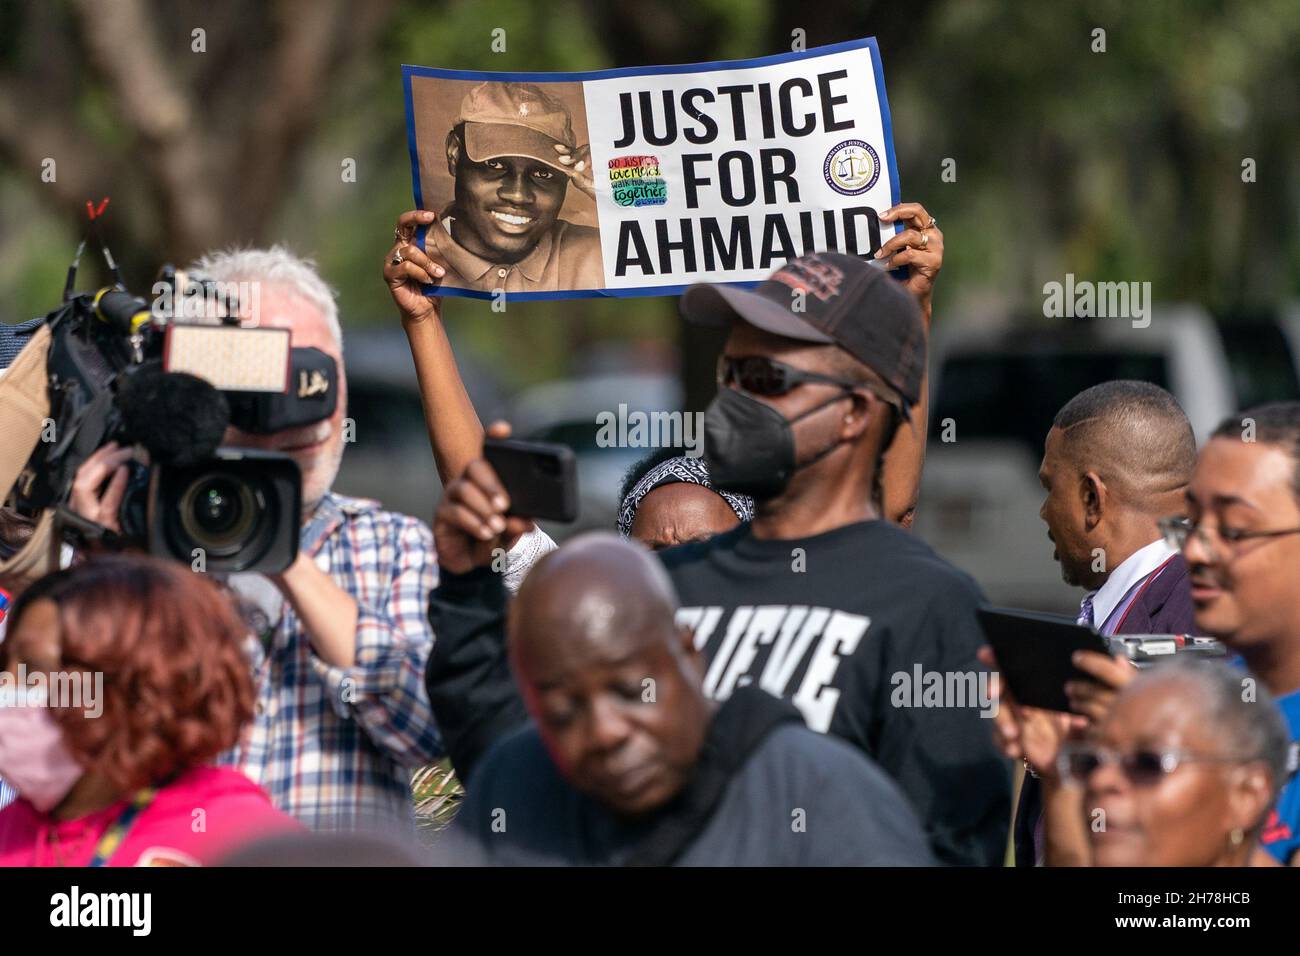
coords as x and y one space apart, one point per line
925 239
397 259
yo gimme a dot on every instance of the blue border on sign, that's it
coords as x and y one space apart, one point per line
648 290
409 71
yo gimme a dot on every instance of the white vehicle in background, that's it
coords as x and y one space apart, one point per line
389 458
995 393
568 411
1263 349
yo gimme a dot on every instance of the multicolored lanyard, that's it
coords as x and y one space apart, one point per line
114 835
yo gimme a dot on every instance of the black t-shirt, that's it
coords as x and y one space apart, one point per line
872 636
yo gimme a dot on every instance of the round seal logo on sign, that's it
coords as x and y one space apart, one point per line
851 168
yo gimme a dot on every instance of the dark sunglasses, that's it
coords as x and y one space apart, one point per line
1142 767
768 378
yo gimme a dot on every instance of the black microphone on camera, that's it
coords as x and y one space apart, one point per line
178 417
122 310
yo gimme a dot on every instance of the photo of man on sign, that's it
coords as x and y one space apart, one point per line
512 154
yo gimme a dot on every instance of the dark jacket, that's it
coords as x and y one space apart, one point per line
765 790
1165 606
1162 607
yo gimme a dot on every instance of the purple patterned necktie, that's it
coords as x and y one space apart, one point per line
1085 611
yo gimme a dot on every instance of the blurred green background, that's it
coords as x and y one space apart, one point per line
1122 164
1125 164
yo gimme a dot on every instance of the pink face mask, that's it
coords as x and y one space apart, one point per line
33 758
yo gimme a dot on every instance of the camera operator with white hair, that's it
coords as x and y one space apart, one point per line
342 715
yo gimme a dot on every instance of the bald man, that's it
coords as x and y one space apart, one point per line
626 761
1119 457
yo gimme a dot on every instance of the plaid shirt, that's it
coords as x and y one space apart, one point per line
333 746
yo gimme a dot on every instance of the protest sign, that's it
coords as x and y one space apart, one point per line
642 181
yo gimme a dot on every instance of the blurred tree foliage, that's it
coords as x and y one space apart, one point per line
1123 164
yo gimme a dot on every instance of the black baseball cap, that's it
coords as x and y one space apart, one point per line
846 302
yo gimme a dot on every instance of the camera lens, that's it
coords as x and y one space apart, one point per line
220 512
216 507
236 511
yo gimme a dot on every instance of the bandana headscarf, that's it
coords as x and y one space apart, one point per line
682 468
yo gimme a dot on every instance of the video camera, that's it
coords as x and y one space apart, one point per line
170 377
1145 650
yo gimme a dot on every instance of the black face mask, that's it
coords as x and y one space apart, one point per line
749 445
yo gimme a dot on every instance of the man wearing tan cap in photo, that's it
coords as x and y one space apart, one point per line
512 153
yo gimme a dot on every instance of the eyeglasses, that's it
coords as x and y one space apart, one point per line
768 378
1143 768
1178 529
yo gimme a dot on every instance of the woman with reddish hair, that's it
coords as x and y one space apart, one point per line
123 679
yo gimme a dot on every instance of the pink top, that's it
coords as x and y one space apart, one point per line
195 820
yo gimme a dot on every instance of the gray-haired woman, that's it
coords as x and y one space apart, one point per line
1182 772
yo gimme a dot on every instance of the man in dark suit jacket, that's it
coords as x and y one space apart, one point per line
1117 459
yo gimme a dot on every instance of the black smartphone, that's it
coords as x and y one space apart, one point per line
1034 651
541 478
